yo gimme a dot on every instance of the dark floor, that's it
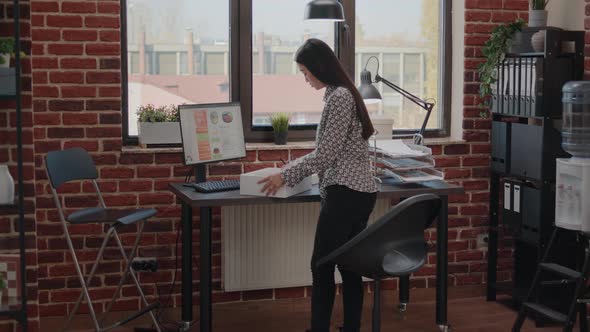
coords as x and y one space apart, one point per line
467 314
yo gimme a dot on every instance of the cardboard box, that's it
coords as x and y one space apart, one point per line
249 184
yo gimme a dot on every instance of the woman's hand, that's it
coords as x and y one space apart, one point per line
272 184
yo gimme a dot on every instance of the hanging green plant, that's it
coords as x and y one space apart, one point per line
494 51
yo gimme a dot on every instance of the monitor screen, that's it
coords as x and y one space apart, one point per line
211 132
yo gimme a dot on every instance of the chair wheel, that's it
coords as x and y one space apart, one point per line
402 307
445 328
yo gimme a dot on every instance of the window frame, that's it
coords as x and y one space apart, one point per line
240 72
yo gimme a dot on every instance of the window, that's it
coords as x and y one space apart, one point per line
184 63
166 63
214 64
166 42
406 43
277 85
176 52
284 64
133 62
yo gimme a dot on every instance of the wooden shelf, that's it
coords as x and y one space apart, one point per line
10 306
526 55
7 97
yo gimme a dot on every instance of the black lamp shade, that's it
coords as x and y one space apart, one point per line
326 10
367 90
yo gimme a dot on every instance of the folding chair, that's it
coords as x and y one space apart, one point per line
77 165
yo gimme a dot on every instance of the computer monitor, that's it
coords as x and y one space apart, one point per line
211 132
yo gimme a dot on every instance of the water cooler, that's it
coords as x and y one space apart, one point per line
572 201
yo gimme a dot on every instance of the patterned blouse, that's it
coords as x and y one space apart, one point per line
342 154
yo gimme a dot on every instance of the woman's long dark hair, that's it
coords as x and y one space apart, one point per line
322 63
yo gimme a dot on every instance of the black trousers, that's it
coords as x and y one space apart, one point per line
344 213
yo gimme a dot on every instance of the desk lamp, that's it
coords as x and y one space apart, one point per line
329 11
324 10
371 95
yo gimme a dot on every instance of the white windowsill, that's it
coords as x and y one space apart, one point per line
272 146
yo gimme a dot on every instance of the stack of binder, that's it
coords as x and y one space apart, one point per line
519 88
529 82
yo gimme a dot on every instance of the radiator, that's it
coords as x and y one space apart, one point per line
270 246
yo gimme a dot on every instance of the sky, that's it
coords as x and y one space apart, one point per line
165 20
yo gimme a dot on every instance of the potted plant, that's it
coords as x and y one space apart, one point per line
7 80
3 286
6 51
493 51
537 13
280 126
158 125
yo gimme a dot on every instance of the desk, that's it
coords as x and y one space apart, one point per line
191 199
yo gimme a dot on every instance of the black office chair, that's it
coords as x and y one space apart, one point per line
393 246
77 165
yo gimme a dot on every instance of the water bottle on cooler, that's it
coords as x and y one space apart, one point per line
576 119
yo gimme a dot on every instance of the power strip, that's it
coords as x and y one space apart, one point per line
144 264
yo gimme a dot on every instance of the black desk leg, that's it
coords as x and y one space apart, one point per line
493 236
205 270
186 221
441 264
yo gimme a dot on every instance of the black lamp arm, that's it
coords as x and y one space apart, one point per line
427 106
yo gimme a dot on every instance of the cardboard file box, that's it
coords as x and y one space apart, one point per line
249 184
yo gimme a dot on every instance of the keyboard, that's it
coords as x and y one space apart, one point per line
214 186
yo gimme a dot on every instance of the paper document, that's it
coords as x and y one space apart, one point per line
406 163
419 175
398 149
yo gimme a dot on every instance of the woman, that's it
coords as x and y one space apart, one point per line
347 188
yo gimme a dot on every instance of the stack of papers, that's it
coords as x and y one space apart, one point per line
405 162
398 149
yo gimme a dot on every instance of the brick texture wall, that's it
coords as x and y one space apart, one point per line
481 16
73 98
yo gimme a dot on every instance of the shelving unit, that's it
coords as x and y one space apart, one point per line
14 308
526 140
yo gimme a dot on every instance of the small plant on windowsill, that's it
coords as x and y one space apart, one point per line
158 125
494 51
3 286
280 126
151 113
7 51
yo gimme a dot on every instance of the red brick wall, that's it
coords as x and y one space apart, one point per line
76 101
481 16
